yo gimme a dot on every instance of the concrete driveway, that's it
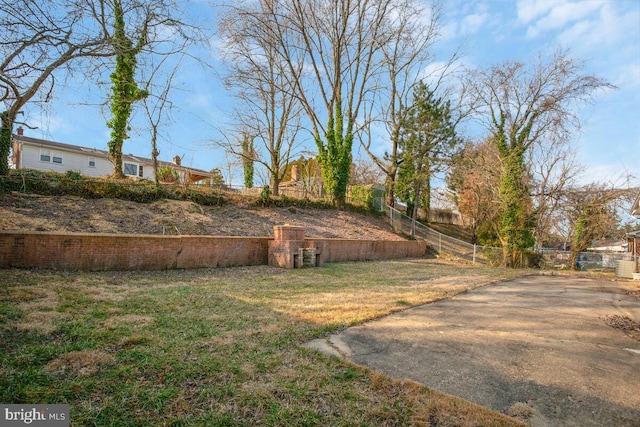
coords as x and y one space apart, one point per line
538 340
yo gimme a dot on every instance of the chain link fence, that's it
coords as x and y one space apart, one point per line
586 260
549 258
442 243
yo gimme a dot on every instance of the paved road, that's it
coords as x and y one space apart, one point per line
539 340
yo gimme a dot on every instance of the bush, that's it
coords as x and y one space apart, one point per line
528 259
265 195
531 259
168 174
74 176
361 195
494 256
74 184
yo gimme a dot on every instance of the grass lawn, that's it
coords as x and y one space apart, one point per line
220 347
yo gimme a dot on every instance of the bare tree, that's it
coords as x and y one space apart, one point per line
593 214
474 181
264 84
413 31
523 104
38 39
341 44
51 38
364 172
158 105
553 170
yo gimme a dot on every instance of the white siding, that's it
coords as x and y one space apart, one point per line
56 157
73 161
70 161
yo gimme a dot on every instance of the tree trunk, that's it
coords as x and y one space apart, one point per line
5 141
274 184
116 159
390 186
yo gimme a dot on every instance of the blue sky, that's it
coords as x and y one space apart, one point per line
604 33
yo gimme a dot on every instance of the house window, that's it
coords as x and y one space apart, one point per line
92 162
51 156
130 169
140 174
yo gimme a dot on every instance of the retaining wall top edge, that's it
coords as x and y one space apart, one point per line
181 236
126 235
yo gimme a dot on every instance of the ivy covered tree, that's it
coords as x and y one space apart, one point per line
428 141
523 104
125 90
334 154
248 154
149 36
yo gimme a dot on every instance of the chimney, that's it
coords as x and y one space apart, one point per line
177 160
20 131
295 173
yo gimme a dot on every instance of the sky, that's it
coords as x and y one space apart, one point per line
603 33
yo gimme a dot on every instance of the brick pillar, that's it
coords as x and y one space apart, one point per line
286 249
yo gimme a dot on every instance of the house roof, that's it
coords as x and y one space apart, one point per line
608 245
196 174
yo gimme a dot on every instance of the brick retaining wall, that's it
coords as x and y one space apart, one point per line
340 250
91 252
85 251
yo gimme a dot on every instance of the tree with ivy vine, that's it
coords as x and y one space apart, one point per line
522 105
125 90
248 155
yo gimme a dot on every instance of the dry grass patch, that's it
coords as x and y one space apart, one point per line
79 363
107 295
134 320
35 298
43 322
354 304
132 341
519 410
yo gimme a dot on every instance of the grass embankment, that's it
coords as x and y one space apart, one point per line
220 347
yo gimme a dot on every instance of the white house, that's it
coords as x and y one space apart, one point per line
40 154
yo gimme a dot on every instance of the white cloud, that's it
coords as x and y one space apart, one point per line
529 10
560 15
449 30
628 76
607 28
468 18
471 24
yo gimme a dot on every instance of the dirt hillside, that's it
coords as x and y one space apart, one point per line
46 213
